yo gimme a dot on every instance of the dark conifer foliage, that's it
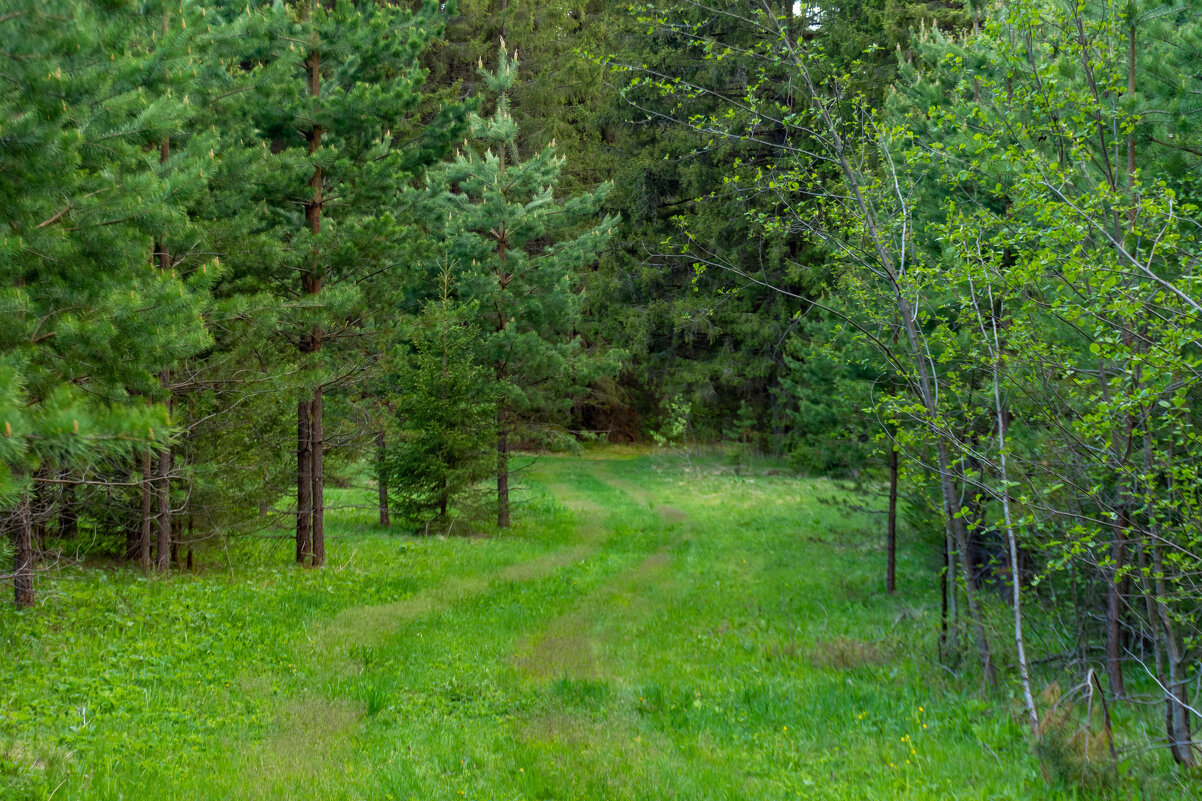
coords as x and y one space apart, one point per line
445 418
96 311
517 251
329 132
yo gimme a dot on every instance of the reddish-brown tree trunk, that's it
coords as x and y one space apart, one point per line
163 482
23 554
502 476
311 470
143 544
191 538
304 482
42 507
381 481
319 484
502 371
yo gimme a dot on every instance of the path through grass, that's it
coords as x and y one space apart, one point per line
652 629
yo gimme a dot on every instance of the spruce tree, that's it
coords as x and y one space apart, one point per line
445 413
518 252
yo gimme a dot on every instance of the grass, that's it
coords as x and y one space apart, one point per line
650 629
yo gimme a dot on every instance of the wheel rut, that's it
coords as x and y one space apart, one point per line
563 647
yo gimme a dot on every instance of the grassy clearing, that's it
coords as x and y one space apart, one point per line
651 629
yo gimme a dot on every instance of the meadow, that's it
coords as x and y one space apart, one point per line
653 627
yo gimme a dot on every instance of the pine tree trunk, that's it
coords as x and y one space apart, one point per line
445 484
143 544
163 485
891 527
381 480
23 554
312 286
502 472
133 532
319 484
163 482
304 482
503 279
191 537
163 490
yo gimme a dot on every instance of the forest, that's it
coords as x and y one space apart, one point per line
571 399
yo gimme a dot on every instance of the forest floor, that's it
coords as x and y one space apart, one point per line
654 627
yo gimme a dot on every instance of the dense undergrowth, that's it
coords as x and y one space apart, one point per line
654 627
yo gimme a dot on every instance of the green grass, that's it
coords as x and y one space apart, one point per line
650 629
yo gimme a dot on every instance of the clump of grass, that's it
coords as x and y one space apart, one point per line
24 772
846 653
582 693
1070 749
375 694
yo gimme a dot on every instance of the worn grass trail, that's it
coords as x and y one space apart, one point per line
551 620
651 629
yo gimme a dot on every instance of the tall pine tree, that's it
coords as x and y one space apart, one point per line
518 252
92 320
331 129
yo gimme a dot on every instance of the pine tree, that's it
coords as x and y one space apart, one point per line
562 95
518 251
91 322
445 413
327 136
